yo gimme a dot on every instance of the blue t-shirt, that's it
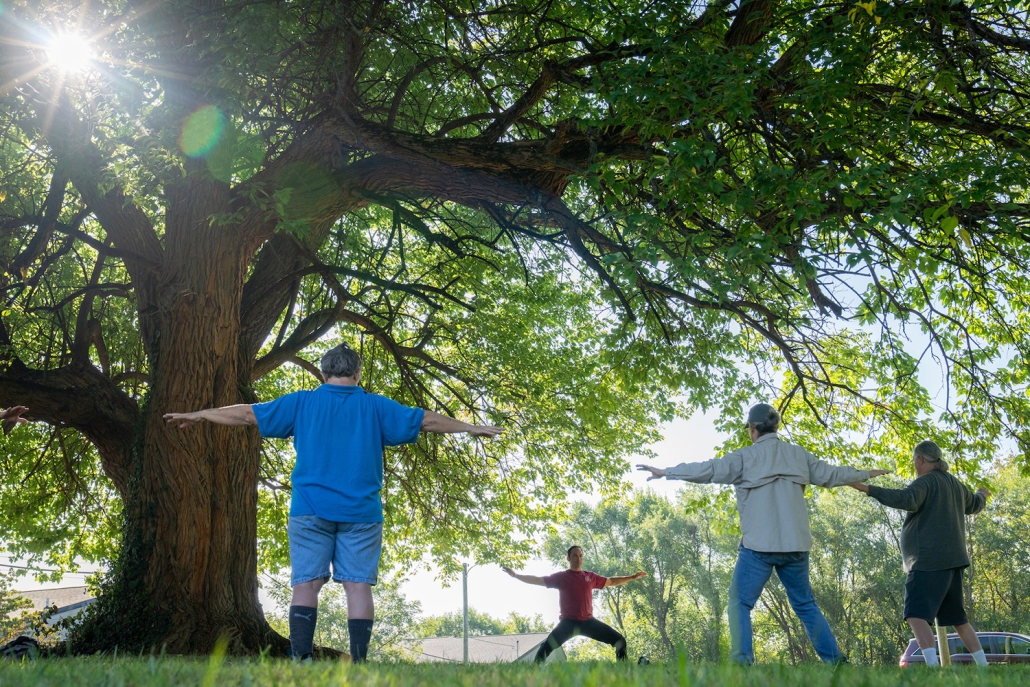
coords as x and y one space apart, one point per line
339 433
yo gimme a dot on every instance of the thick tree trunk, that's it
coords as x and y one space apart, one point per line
187 572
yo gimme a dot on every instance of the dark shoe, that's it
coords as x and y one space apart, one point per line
304 660
643 661
20 648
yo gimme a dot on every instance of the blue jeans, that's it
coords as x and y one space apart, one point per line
752 571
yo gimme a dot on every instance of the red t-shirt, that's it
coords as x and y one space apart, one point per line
575 592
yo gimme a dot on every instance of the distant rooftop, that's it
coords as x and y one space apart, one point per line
60 597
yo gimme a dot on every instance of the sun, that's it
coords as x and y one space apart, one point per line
69 52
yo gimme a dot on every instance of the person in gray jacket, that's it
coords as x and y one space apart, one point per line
769 478
933 547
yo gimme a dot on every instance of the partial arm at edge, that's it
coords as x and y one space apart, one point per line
528 579
618 580
241 415
441 424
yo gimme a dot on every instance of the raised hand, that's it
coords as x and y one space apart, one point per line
508 570
656 473
12 417
877 473
485 431
184 420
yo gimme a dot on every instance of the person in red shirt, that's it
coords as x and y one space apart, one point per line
576 605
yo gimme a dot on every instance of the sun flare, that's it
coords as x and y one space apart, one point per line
69 52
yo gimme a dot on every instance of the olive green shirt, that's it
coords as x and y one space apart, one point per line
933 536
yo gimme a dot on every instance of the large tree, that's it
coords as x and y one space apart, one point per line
555 213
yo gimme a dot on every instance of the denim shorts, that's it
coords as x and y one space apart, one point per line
353 548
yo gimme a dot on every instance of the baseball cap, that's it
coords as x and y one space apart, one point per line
761 412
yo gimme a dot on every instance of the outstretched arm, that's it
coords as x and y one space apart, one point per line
528 579
725 470
618 580
910 498
864 488
656 473
441 424
978 501
823 474
241 415
12 417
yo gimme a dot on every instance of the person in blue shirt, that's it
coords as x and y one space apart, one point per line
336 514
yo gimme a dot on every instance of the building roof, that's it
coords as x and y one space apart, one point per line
60 597
482 649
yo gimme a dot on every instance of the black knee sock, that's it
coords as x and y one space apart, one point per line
302 630
620 649
360 631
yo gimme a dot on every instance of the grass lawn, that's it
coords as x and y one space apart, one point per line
176 672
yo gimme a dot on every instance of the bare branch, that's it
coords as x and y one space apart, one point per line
83 398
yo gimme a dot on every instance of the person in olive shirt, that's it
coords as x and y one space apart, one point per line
933 547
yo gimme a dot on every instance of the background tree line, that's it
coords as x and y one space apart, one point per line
688 546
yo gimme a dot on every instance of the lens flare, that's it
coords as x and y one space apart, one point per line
69 52
201 131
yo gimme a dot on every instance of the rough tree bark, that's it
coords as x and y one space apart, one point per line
189 558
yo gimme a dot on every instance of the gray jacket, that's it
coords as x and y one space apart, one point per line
933 536
770 478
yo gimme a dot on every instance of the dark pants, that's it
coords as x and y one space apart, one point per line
593 628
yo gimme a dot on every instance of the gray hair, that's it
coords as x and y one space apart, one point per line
770 424
341 361
931 453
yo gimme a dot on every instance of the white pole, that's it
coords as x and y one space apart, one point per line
465 609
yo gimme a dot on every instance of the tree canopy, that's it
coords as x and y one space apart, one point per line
569 217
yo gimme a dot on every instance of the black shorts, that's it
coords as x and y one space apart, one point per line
931 594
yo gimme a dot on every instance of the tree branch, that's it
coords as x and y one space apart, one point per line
965 15
310 367
753 20
124 221
84 399
45 229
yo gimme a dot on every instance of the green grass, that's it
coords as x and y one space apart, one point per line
178 672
